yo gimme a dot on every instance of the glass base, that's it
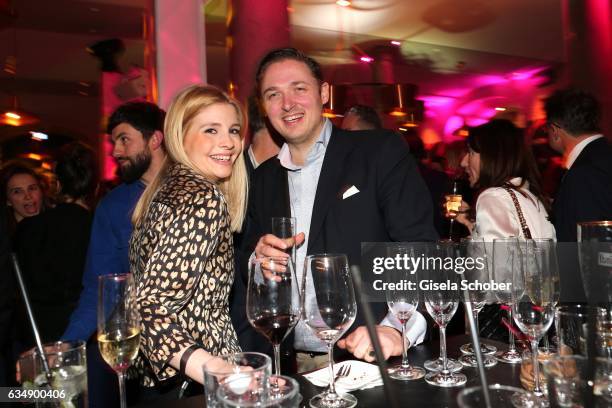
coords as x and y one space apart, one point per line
399 372
436 365
529 400
446 380
484 348
469 360
510 357
326 400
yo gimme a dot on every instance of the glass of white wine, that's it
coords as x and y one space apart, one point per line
118 325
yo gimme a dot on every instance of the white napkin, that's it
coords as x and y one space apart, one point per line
362 376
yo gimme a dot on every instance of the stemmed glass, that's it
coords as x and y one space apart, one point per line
442 304
476 271
554 275
506 259
403 304
329 309
273 300
534 305
118 324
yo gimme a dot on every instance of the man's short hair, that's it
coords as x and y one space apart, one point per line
256 118
575 111
367 115
146 117
282 54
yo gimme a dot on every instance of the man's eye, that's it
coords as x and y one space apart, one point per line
273 95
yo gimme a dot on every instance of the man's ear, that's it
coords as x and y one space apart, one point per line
156 140
324 92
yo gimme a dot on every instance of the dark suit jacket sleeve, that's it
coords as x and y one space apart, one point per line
403 197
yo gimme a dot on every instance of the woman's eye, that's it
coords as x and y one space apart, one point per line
235 131
210 130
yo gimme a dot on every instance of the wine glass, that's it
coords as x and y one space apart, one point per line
441 301
475 273
534 300
452 206
403 300
506 259
329 309
118 324
273 300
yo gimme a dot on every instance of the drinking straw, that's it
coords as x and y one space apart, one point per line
370 324
26 300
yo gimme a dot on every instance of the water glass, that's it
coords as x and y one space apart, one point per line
566 377
501 396
67 362
284 227
245 377
571 323
287 396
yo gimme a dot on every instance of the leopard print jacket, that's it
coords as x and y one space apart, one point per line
182 259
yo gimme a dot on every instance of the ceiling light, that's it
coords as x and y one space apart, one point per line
34 156
500 109
39 136
343 3
394 42
12 115
366 58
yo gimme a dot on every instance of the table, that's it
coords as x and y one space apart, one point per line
410 393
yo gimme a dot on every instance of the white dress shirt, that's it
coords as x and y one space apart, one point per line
573 155
496 215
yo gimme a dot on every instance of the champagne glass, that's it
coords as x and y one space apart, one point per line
273 300
118 324
506 259
555 286
476 272
403 300
534 301
441 301
329 309
452 205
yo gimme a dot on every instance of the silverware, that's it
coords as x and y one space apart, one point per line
343 372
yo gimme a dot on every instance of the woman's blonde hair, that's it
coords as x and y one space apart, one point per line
184 108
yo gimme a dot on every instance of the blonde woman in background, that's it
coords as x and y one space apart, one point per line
181 250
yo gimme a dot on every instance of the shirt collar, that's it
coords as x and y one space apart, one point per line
252 157
573 155
318 148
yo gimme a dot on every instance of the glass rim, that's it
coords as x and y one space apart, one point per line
585 309
494 387
283 218
75 345
605 223
115 276
327 255
226 356
269 403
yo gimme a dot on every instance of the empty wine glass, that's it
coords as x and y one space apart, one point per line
534 302
403 300
273 300
506 259
118 325
329 309
441 301
476 272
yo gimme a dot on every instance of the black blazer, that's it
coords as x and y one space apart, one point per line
585 193
393 203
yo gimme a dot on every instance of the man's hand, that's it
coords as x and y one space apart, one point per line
358 343
272 246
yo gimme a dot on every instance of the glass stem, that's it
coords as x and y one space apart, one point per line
512 348
536 367
405 363
443 350
121 378
277 367
332 383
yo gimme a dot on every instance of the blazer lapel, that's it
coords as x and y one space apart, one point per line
338 148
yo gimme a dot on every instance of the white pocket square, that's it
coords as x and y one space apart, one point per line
350 192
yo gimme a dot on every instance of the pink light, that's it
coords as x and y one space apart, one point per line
396 43
453 123
366 59
432 101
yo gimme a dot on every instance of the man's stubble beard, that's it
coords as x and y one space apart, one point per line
137 166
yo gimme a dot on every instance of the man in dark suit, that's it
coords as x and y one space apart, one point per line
585 193
343 188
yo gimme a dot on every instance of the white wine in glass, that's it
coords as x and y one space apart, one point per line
118 325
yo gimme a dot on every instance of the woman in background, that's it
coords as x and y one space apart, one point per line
51 246
21 194
503 171
181 251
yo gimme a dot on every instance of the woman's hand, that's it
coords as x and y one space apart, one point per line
462 216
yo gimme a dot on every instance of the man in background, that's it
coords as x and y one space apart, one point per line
361 117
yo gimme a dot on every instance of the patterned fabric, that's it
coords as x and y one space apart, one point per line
183 263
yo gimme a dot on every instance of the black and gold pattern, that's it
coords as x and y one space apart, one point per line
182 259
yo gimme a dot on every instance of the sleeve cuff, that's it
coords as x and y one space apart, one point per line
417 327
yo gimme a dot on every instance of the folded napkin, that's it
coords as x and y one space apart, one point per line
362 376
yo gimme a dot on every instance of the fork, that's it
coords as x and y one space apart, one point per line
343 372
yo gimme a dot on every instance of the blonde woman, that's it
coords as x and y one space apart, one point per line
181 250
